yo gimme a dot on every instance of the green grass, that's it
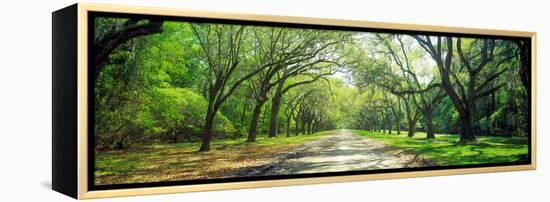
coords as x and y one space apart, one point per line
444 149
166 162
260 140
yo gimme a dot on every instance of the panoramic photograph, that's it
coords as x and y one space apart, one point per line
199 100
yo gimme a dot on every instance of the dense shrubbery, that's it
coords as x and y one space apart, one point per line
181 113
167 115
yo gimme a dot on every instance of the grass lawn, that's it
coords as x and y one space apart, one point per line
171 162
444 150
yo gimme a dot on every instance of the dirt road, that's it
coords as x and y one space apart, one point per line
341 151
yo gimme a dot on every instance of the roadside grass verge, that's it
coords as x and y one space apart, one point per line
182 161
444 149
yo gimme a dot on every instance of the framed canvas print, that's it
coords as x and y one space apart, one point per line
156 100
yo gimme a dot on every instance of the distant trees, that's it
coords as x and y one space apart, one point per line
287 53
393 103
293 106
322 54
423 97
316 107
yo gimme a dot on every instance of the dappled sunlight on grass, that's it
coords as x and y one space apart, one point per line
182 161
444 150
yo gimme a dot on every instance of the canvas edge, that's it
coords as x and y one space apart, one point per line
64 103
84 8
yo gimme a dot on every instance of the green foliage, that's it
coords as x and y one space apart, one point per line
445 117
159 97
157 88
183 109
140 95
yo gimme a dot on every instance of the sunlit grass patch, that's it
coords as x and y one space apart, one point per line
444 150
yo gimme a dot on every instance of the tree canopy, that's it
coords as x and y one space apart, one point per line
170 82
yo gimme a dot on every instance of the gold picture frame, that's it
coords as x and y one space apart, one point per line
78 187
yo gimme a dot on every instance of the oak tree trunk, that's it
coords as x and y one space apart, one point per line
466 129
207 133
412 128
296 126
288 119
254 123
275 106
430 134
398 117
398 127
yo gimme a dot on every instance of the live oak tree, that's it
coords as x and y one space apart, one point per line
222 47
412 112
267 53
424 95
460 79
